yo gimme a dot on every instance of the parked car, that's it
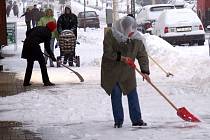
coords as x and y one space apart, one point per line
149 14
91 19
180 26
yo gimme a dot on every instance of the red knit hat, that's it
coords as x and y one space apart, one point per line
51 26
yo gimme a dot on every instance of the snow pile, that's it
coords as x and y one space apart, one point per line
158 47
186 63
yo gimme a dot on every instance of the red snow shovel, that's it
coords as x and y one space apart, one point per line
181 112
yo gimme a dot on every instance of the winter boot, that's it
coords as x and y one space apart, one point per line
51 64
117 125
49 84
139 123
26 84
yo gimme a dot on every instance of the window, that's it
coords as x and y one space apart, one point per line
87 14
161 8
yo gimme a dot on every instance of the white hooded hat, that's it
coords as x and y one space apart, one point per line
123 27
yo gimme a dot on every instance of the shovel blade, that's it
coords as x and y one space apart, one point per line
186 115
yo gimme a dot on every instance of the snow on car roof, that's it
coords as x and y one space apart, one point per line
184 15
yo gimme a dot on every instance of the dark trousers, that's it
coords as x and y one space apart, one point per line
52 49
34 23
133 104
29 68
28 24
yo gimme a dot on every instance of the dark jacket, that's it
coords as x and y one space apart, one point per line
35 14
27 15
15 9
41 14
8 9
67 22
31 47
113 71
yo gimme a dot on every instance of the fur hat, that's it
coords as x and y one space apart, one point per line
51 26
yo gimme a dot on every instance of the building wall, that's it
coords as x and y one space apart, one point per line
3 36
201 8
207 13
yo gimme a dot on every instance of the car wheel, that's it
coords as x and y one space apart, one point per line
77 61
191 43
97 26
169 42
201 42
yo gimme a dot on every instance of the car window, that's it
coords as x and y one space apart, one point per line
161 8
87 14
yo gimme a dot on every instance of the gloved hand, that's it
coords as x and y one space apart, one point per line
128 61
53 58
146 77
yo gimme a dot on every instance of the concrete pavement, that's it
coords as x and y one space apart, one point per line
10 130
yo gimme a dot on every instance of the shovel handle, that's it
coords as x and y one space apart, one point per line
167 73
161 93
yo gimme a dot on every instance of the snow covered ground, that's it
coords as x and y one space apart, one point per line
74 110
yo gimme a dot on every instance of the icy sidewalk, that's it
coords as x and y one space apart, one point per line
9 85
14 131
83 111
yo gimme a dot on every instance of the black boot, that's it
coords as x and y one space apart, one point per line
139 123
26 84
49 84
117 125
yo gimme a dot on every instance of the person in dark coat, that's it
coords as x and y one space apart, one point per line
15 9
35 15
28 17
41 14
121 46
9 8
67 21
32 51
